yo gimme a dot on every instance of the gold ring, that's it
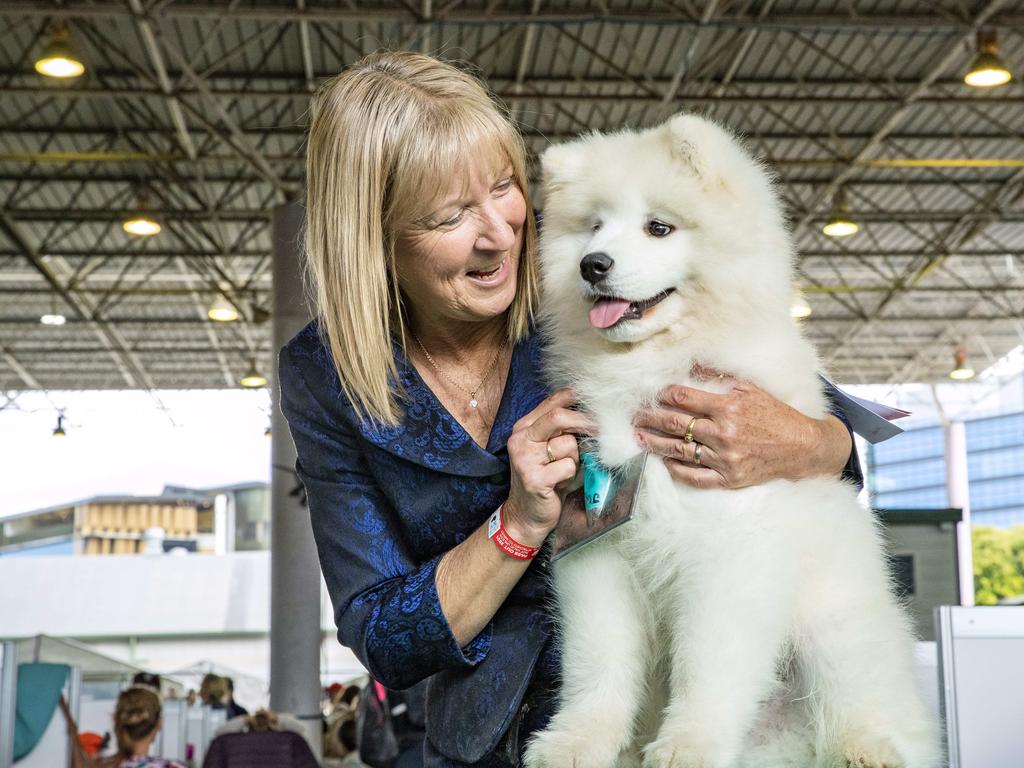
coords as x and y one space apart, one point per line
696 453
551 455
688 437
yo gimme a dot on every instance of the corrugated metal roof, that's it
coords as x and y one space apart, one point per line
821 91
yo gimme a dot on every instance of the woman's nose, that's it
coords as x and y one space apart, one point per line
495 234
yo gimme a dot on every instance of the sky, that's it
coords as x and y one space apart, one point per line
128 443
135 443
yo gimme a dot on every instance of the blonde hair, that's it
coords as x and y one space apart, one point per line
384 133
136 716
213 688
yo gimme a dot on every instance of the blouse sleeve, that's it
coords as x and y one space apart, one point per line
386 605
852 471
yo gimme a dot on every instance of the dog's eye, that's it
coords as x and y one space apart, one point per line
657 228
595 226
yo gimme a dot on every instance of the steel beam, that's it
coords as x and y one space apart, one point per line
879 22
23 373
145 30
242 215
130 367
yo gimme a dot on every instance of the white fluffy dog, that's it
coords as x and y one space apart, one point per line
719 628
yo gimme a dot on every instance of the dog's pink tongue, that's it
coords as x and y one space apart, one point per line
606 312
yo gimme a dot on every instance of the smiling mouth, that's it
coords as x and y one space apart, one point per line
488 273
609 311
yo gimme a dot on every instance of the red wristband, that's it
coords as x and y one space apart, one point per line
496 531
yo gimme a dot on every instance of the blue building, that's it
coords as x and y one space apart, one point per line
909 471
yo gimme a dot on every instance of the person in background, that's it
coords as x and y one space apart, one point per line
347 738
213 690
136 724
147 680
234 708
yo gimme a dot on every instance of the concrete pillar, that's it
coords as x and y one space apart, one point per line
958 496
294 568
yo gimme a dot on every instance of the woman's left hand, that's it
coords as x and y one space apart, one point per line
745 437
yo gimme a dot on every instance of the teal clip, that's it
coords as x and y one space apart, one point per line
598 486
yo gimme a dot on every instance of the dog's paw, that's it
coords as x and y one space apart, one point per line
565 749
868 751
679 752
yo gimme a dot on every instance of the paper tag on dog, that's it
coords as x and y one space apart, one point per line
606 500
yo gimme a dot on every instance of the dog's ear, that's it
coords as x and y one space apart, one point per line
709 151
561 163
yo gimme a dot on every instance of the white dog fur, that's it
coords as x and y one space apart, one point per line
750 627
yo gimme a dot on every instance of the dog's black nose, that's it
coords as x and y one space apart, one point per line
595 266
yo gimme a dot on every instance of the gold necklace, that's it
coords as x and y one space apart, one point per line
471 392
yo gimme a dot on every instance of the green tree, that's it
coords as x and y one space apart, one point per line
998 563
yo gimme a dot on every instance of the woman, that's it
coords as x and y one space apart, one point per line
419 415
213 690
136 724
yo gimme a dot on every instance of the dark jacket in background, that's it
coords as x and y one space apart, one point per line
260 749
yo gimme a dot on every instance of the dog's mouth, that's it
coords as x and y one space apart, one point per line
609 311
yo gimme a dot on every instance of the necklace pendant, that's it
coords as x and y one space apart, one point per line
472 403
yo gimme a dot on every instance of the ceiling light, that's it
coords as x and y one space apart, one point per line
253 379
839 223
988 70
840 227
53 318
58 58
141 224
222 310
961 371
799 308
58 431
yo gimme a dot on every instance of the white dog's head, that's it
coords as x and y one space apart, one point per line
670 226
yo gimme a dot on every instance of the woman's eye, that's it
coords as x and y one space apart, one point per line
451 222
657 228
504 185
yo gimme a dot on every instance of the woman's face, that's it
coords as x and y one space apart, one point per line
460 262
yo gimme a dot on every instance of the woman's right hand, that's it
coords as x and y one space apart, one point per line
542 454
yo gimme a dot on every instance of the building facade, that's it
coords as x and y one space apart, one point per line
909 471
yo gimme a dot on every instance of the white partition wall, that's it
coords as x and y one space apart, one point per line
201 723
981 669
172 738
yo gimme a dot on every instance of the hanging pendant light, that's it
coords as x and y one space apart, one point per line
53 317
141 223
58 431
58 58
799 308
222 310
253 379
961 371
839 223
987 70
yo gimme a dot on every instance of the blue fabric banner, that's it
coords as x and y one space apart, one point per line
39 689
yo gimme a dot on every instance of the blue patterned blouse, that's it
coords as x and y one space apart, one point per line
386 503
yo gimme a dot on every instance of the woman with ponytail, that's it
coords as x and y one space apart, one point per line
136 723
